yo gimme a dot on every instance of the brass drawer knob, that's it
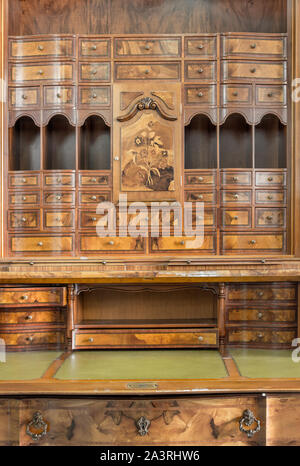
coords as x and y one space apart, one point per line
28 317
40 47
247 420
235 217
93 72
269 217
40 427
182 243
200 178
58 95
200 94
260 294
24 198
24 180
94 96
29 339
270 178
93 198
93 219
58 198
236 196
147 71
260 315
200 46
91 340
40 243
58 220
24 219
235 179
24 96
200 70
142 425
253 241
24 297
200 196
200 338
270 94
235 93
111 242
270 197
253 46
94 180
94 47
147 47
41 72
58 180
253 70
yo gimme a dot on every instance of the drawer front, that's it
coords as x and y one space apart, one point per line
59 95
254 46
283 420
59 198
42 72
204 196
262 336
111 244
17 181
41 48
270 178
157 339
94 180
262 315
9 422
253 242
33 297
94 71
184 243
265 293
94 48
36 244
23 219
270 217
236 178
205 95
194 219
270 197
271 95
93 198
251 71
33 339
236 197
200 71
31 317
201 47
125 71
21 199
236 95
236 218
147 48
181 421
90 96
59 180
59 219
23 97
200 178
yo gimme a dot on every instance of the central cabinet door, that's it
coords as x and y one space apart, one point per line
147 141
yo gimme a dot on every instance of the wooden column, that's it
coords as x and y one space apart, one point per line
70 313
221 317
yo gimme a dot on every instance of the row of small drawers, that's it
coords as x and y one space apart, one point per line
276 178
262 196
96 47
101 71
242 217
61 180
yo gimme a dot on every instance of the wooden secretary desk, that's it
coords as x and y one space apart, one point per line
160 103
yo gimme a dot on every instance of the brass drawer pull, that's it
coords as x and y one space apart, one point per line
253 46
200 196
182 243
40 47
260 294
28 317
91 340
235 94
24 96
29 339
94 47
58 180
24 297
94 96
93 180
200 70
58 198
200 94
253 241
200 178
111 242
147 47
147 71
40 243
93 72
93 219
200 46
24 198
58 95
40 72
260 315
260 336
143 425
236 196
93 198
24 180
200 338
235 217
38 424
24 219
247 420
269 217
270 197
270 178
270 94
235 179
253 70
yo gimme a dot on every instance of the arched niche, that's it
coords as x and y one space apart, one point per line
235 142
94 144
25 147
60 144
200 144
270 143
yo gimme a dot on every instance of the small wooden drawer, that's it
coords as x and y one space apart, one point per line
198 71
236 95
261 337
59 180
254 71
201 47
185 243
253 243
266 217
33 297
280 316
59 47
90 219
37 244
254 46
150 47
94 72
23 220
31 317
200 95
91 96
23 97
236 218
142 339
236 197
270 196
200 178
126 71
19 73
33 339
194 219
261 292
270 178
236 178
92 244
94 180
271 95
58 219
93 197
94 48
59 198
23 199
23 181
208 197
59 95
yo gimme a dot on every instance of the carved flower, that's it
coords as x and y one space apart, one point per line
138 141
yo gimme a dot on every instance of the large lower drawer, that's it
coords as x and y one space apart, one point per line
253 243
38 244
139 421
33 297
141 339
92 244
